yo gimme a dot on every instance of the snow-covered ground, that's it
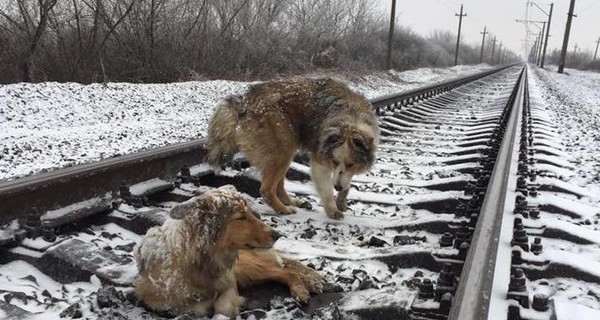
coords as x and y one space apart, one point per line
145 116
52 125
573 102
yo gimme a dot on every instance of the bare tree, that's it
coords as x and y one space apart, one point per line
172 40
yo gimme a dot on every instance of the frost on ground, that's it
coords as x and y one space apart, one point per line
52 125
573 100
567 110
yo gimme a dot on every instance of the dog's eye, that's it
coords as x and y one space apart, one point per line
359 143
243 217
349 165
335 162
333 139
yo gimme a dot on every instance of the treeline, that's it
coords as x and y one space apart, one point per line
173 40
577 60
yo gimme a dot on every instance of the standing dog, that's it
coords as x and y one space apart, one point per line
189 263
273 120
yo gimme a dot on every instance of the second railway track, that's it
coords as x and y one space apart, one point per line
439 229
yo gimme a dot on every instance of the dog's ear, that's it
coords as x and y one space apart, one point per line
180 210
332 138
362 147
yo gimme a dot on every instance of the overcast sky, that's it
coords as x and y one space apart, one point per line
424 16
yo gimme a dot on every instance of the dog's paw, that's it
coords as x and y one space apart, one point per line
297 202
300 293
335 213
305 205
341 205
287 210
241 301
313 282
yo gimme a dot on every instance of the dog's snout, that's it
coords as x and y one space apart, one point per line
338 187
275 235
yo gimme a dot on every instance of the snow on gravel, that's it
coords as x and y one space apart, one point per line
51 125
573 102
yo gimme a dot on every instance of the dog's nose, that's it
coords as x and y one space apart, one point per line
275 235
338 187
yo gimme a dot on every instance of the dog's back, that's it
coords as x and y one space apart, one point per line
303 105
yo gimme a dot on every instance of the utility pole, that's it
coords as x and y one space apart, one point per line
547 33
482 44
532 55
493 49
539 56
460 16
391 36
563 53
597 43
499 51
575 49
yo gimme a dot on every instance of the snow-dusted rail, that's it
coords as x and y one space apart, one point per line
474 292
395 101
422 238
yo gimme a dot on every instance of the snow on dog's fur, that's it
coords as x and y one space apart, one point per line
186 265
273 120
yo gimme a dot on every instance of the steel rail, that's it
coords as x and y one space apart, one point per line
395 100
474 289
62 187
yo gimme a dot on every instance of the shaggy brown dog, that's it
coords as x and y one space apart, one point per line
187 264
272 121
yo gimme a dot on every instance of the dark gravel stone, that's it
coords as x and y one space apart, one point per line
308 233
377 242
344 279
412 283
298 314
367 284
126 247
108 297
332 287
329 313
404 240
73 312
277 303
359 274
16 295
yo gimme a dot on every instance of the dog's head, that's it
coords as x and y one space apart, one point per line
348 150
222 219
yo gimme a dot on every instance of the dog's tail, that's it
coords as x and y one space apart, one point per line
221 133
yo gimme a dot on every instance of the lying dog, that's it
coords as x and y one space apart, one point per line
187 264
272 121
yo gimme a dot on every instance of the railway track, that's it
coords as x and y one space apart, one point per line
463 217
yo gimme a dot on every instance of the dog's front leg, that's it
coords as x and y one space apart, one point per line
340 200
322 178
228 303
